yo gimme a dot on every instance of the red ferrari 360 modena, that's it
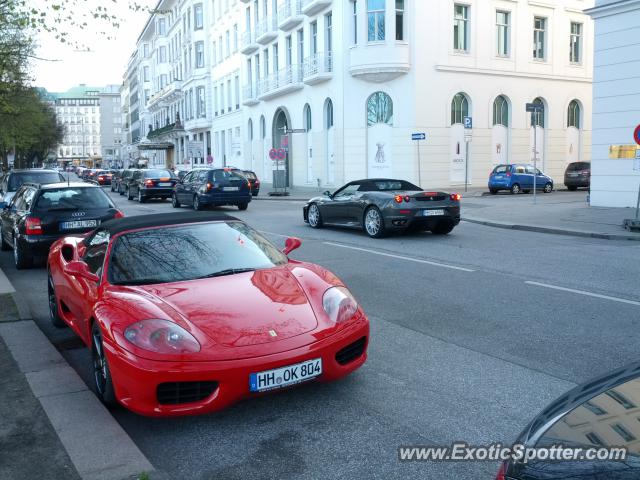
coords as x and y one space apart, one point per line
188 313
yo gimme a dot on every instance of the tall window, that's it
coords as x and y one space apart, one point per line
307 118
461 28
201 105
197 17
300 46
214 58
573 114
199 54
145 71
329 114
459 108
215 101
375 20
328 32
539 37
237 90
263 128
162 26
289 54
276 58
575 54
399 19
355 22
314 37
228 38
503 34
379 109
250 130
229 96
501 111
162 54
538 117
235 37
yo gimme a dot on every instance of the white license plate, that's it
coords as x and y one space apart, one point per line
285 376
433 213
78 224
572 174
230 189
164 184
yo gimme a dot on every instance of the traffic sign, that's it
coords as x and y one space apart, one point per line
535 107
468 122
273 154
636 163
281 154
636 134
295 130
418 136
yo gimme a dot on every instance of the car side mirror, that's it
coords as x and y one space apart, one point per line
80 269
291 244
327 194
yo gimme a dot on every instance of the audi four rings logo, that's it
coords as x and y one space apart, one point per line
78 214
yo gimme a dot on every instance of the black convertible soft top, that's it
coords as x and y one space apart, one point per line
118 225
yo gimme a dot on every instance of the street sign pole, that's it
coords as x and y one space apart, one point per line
417 137
468 127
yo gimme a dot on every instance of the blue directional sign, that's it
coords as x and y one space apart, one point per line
418 136
468 122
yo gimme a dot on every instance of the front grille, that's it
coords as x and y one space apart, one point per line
434 198
174 393
351 352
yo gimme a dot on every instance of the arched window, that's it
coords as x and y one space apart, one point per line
538 118
459 108
263 128
573 114
501 111
307 118
379 109
250 130
329 113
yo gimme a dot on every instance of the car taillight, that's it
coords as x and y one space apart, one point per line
118 214
501 471
100 177
249 183
455 197
407 198
209 187
148 183
398 198
33 226
256 182
586 172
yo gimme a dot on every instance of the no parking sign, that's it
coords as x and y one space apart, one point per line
636 134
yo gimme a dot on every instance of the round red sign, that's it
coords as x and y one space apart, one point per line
273 154
636 134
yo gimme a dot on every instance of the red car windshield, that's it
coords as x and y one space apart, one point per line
189 252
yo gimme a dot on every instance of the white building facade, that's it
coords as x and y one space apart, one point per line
355 79
616 112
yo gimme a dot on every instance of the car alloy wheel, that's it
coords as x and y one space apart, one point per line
243 206
18 255
174 201
196 203
548 187
4 246
101 373
315 220
54 313
515 189
373 223
129 196
141 198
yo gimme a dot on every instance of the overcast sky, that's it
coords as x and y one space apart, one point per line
106 61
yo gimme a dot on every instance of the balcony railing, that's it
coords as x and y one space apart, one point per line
250 95
290 14
284 81
317 68
249 44
267 30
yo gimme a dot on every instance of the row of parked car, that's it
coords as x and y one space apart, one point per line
518 178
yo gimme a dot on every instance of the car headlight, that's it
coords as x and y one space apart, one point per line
339 304
161 336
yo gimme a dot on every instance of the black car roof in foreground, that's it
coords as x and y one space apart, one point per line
50 186
574 398
119 225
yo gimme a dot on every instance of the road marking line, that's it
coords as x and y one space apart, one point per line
582 292
275 234
400 257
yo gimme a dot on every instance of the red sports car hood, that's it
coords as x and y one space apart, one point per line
241 310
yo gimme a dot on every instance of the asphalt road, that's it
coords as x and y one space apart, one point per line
462 348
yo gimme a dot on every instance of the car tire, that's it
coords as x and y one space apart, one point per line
493 191
174 201
548 188
314 217
374 223
20 260
141 197
515 189
243 206
196 203
442 228
572 188
129 196
101 373
54 311
4 246
120 190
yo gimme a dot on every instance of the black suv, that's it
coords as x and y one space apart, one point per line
40 214
150 183
13 180
124 179
215 186
577 174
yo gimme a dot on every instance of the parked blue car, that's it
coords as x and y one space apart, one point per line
518 178
212 186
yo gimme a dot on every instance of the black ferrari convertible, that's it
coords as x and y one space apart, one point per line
384 205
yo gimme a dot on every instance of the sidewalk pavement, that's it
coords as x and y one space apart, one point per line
51 425
561 212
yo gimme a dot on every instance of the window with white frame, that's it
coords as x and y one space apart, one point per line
539 38
328 32
503 33
314 37
355 22
214 54
162 54
399 19
461 28
237 91
199 54
198 22
375 20
228 39
202 108
575 54
235 38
